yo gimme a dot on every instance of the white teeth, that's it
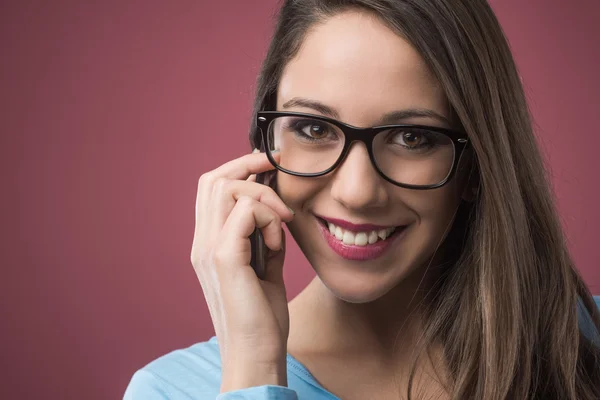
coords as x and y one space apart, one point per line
372 237
359 238
339 233
348 237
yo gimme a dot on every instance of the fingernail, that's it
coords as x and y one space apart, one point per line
255 151
275 151
292 211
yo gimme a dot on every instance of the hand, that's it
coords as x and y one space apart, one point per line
250 315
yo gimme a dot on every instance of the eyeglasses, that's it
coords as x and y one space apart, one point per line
410 156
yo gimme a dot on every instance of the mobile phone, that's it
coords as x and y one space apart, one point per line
258 260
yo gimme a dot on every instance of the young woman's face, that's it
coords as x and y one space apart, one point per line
362 70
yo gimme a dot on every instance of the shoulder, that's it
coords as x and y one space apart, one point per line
189 373
195 373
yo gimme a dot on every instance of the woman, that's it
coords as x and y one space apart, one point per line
442 272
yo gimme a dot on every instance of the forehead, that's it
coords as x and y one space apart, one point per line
354 63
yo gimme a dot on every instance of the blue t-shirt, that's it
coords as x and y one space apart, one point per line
194 373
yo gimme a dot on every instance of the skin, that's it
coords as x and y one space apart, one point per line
354 313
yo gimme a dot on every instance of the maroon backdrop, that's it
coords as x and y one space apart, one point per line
109 113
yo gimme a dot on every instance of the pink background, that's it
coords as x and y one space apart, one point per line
109 113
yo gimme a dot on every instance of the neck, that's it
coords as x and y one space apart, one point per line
386 329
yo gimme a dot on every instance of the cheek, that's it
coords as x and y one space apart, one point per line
435 209
300 194
296 192
436 205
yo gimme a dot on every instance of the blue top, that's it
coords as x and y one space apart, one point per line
194 373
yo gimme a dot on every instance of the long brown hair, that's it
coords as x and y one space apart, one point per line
505 310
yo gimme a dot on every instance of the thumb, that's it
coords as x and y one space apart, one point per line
275 259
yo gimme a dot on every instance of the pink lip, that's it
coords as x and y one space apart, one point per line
359 253
354 227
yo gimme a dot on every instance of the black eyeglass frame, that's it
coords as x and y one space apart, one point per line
365 135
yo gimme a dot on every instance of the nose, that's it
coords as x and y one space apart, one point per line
356 183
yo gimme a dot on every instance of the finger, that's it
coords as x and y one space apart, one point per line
227 192
261 193
248 214
252 178
240 168
243 167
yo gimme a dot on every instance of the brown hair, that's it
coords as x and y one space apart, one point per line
506 308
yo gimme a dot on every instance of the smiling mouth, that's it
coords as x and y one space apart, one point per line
361 238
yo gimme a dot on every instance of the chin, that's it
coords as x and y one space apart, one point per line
352 286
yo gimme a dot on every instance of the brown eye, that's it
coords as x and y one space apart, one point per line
412 139
315 131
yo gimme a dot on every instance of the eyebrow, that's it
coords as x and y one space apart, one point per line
389 118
